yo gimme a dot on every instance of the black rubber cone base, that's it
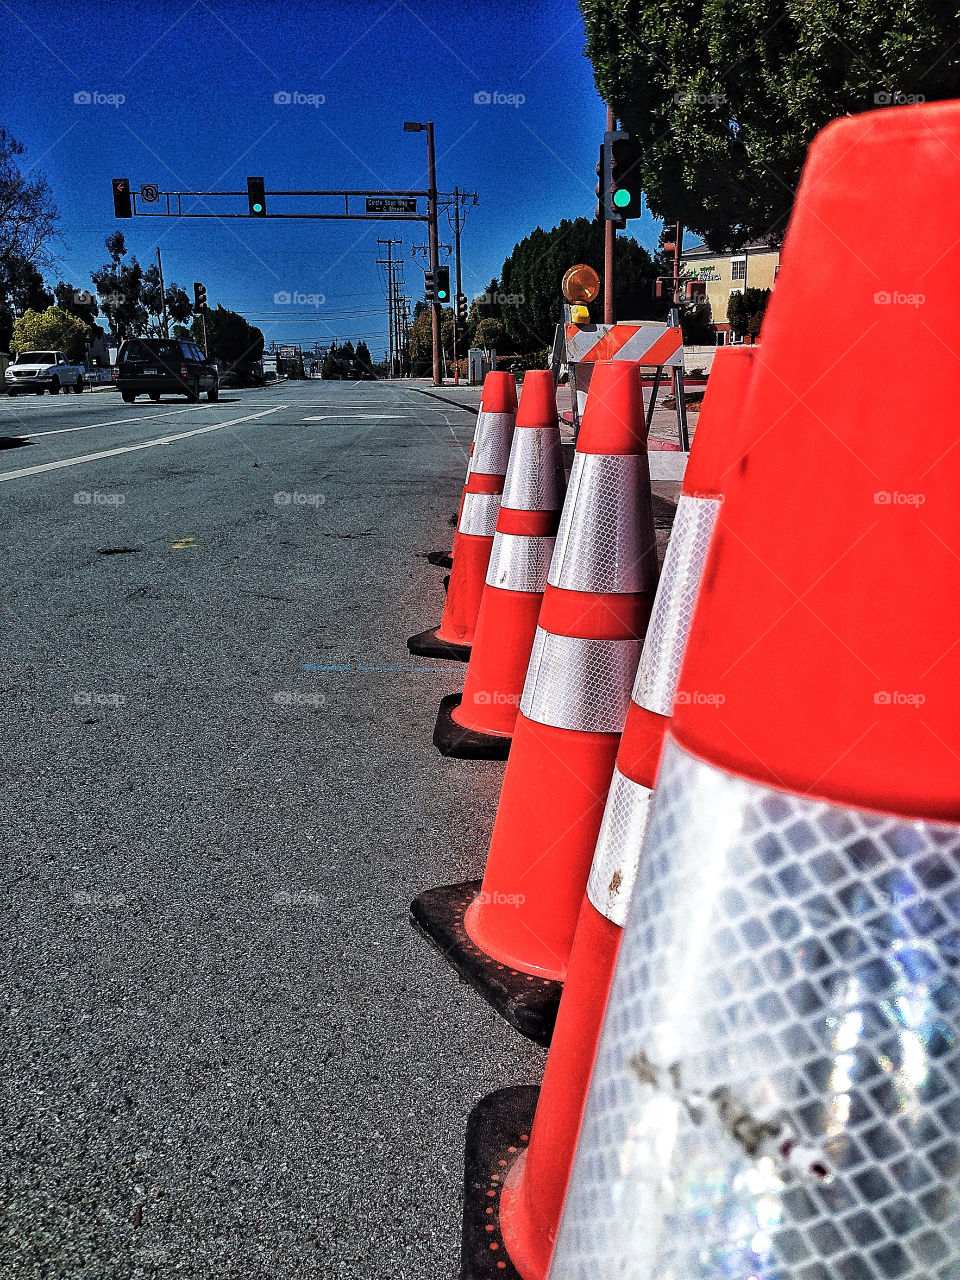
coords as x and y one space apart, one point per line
452 739
427 645
497 1131
529 1004
443 559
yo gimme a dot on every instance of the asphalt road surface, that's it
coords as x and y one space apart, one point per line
226 1054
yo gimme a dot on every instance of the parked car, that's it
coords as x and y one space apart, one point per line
40 371
152 366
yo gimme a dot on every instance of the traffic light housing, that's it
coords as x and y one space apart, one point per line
199 296
461 308
429 290
122 205
256 199
600 212
623 193
668 238
443 286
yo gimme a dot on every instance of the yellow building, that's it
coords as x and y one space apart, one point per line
714 276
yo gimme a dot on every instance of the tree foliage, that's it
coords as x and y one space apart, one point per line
725 95
529 299
28 216
51 330
78 302
230 339
745 311
119 286
21 289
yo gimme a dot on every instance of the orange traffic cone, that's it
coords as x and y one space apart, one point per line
531 1183
475 524
777 1087
511 940
478 723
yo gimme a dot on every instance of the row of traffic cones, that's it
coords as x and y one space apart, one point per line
564 611
754 1067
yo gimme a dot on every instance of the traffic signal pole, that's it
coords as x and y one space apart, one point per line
434 242
609 239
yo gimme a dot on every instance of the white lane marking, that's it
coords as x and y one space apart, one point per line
115 422
364 417
132 448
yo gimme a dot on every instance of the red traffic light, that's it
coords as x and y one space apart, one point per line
122 203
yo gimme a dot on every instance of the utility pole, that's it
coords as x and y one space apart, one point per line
163 297
456 301
456 216
392 266
609 239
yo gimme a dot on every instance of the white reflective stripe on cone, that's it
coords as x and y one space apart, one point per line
478 515
676 599
617 855
777 1090
491 446
601 545
579 684
519 562
534 479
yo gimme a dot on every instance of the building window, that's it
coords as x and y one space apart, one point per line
738 269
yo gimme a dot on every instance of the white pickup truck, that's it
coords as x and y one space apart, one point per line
40 371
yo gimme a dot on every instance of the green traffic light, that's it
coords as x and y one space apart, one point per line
621 198
258 208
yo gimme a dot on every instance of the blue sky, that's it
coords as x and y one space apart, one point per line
198 80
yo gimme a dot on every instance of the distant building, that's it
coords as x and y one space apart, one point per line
712 277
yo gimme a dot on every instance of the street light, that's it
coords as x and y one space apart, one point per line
433 236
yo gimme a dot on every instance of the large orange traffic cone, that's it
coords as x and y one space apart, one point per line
511 940
476 523
523 1215
478 723
777 1088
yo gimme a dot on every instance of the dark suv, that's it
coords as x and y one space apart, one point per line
151 366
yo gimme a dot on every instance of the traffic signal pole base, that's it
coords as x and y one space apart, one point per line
427 644
452 739
528 1003
498 1130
